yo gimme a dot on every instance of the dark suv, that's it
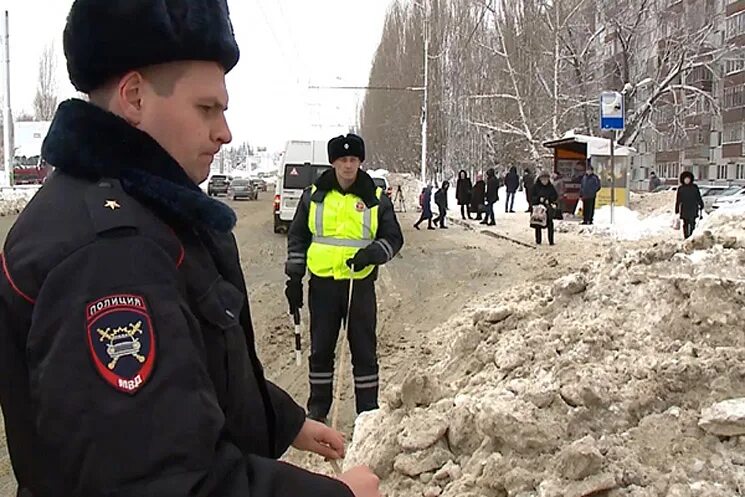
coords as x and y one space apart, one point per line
218 185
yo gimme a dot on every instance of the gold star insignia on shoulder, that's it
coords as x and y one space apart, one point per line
112 204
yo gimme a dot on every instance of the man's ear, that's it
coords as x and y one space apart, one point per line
131 92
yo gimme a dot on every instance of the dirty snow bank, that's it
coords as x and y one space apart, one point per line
602 383
12 201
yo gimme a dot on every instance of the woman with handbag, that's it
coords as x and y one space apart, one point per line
545 196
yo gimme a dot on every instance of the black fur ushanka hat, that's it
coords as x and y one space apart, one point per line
106 38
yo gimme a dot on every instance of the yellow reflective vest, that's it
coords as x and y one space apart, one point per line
341 225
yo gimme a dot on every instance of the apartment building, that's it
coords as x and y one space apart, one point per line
686 131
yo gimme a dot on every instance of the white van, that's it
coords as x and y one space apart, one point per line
303 162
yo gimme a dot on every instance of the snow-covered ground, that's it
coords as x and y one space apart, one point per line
628 224
13 200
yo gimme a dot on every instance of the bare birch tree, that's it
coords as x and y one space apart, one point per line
45 102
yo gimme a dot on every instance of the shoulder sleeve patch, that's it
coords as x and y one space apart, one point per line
121 340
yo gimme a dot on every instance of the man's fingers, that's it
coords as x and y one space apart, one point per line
326 451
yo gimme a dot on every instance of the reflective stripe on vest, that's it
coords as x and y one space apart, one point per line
341 225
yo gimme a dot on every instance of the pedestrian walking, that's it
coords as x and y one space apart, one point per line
478 197
492 197
127 351
512 184
463 190
688 203
425 202
545 194
343 229
441 200
528 184
588 191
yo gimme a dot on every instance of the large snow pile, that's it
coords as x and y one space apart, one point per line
653 203
12 201
628 224
605 382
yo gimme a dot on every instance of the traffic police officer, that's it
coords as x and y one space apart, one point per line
343 229
127 358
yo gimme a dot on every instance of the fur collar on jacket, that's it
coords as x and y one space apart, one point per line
363 187
88 142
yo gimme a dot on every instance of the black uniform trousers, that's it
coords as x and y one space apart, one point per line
328 300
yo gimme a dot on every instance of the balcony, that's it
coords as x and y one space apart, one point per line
697 152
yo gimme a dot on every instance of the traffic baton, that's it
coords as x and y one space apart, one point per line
298 344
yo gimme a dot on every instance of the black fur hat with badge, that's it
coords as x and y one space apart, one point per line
104 39
344 146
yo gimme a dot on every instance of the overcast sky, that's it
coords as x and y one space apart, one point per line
285 46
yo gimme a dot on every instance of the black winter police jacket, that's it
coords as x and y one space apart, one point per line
388 240
127 358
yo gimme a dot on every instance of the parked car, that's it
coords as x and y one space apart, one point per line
666 188
242 188
381 182
218 185
710 193
734 196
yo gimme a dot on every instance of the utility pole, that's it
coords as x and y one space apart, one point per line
7 113
425 34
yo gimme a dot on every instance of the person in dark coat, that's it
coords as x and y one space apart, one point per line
512 182
688 203
546 195
654 181
478 197
492 196
528 184
441 200
463 190
588 191
426 204
128 363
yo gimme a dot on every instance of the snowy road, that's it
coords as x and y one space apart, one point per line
431 280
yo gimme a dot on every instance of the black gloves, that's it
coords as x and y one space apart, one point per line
294 294
359 261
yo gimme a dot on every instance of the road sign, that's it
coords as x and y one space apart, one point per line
611 110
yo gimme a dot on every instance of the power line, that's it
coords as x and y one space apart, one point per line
274 35
374 88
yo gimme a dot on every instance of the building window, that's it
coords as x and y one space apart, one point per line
732 133
722 171
735 25
734 97
700 73
740 173
733 66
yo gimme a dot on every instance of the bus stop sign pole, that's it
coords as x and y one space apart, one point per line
612 118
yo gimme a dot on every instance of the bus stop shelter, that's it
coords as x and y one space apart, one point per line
573 153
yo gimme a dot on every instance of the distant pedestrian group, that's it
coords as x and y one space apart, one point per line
477 200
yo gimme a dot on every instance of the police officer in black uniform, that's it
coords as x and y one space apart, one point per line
343 229
127 358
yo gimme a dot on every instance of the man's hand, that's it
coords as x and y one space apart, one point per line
359 261
362 482
294 294
320 439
